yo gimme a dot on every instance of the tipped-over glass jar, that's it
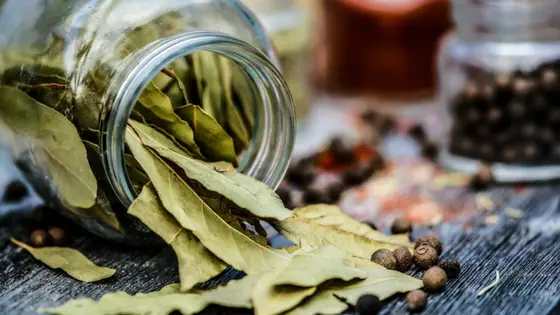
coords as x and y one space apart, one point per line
500 89
80 69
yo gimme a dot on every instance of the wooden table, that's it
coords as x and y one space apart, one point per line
526 251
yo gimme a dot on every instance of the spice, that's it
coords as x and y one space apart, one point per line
401 226
15 192
315 196
385 258
403 258
430 151
431 241
368 305
359 174
58 235
416 300
425 256
434 279
451 267
418 133
39 238
482 179
341 152
301 174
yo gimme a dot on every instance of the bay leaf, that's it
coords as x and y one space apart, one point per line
241 136
65 154
323 302
332 216
87 110
196 263
236 293
306 270
119 303
70 260
380 282
317 235
214 142
243 190
194 214
170 73
103 211
244 95
164 116
271 300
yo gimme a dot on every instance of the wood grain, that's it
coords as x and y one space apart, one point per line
526 251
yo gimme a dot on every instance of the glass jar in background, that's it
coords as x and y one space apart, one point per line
288 23
500 89
98 56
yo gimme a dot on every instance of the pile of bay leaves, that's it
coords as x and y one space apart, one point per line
181 158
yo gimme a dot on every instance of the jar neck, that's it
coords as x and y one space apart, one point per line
268 156
507 20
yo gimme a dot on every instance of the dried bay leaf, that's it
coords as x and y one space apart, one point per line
157 103
70 260
170 73
323 302
243 94
236 293
196 263
299 231
306 270
65 154
332 216
192 213
215 143
243 190
120 303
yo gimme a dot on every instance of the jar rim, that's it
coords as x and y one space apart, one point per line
268 157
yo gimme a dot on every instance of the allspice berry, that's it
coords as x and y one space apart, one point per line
416 300
434 279
425 256
58 235
38 238
430 240
368 304
403 258
385 258
451 267
401 226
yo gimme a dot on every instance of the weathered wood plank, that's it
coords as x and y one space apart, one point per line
526 251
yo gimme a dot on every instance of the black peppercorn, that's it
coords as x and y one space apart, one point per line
522 86
284 194
335 190
549 78
39 238
301 174
358 175
385 258
451 267
431 241
15 191
418 133
403 258
368 305
401 226
517 109
508 155
434 279
430 151
529 131
416 300
315 196
58 235
425 256
529 152
341 152
483 179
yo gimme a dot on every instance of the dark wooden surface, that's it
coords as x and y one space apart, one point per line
526 252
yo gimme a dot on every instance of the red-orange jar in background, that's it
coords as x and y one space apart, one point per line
382 48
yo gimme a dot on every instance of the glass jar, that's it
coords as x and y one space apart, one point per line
500 89
288 23
106 52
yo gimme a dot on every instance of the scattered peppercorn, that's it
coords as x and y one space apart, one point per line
15 191
403 258
315 196
431 241
451 267
341 152
284 194
425 256
418 133
430 151
301 174
368 304
416 300
58 235
434 279
401 226
385 258
39 238
358 175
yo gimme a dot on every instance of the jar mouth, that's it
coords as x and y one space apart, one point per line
272 142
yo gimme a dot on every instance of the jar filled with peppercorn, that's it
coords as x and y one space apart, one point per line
500 89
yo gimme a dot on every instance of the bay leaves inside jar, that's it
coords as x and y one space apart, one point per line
64 153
